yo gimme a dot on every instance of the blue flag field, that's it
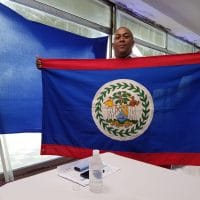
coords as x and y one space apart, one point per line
144 108
21 85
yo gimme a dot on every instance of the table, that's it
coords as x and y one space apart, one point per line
134 181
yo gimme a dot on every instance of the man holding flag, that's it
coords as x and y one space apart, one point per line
75 114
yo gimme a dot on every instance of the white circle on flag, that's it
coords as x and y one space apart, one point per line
122 109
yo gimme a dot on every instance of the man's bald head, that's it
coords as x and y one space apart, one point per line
123 42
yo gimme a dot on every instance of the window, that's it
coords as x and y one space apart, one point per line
145 51
24 148
93 11
178 46
54 21
142 30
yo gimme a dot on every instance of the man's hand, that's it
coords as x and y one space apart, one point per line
38 63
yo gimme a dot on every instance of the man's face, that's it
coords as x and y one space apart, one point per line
123 43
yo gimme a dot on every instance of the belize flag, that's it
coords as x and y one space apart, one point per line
143 108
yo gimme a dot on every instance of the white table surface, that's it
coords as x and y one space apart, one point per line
134 181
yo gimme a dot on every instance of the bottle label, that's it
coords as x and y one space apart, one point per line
97 174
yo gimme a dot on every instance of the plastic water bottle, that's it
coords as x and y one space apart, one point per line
96 172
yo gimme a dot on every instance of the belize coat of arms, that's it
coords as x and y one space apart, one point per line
122 109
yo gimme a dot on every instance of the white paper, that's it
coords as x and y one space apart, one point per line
67 171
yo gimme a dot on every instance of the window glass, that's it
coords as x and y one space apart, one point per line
93 11
178 46
145 51
196 49
142 30
54 21
24 149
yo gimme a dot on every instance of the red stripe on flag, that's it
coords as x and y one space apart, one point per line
152 158
110 64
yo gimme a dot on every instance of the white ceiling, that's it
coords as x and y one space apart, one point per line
182 17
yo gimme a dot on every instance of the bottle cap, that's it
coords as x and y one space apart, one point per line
95 152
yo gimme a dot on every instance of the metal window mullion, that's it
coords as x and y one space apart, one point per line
7 156
113 28
166 43
3 161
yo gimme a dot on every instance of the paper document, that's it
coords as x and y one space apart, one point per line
67 171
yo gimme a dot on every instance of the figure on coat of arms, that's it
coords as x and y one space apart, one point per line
121 109
110 108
